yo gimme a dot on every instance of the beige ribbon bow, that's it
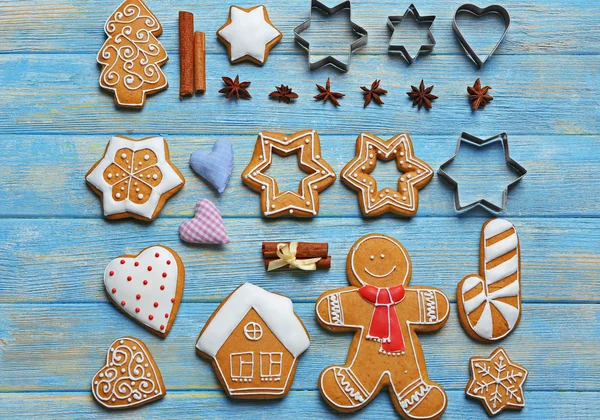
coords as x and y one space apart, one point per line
287 256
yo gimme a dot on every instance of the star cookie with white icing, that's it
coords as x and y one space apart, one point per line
414 175
305 201
135 178
249 34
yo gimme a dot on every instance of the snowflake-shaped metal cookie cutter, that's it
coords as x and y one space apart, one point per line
476 141
393 21
330 60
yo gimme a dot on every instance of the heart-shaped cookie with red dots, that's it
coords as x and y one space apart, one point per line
130 376
148 287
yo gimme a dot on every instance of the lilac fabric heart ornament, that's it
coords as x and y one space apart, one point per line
215 167
206 227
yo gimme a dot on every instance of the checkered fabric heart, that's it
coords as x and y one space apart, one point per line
206 227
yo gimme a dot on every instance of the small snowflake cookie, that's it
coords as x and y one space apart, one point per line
489 303
497 381
135 178
385 315
129 378
148 287
254 339
249 34
319 175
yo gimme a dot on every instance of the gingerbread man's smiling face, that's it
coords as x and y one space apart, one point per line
378 260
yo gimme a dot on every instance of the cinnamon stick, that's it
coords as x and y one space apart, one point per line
199 62
322 264
186 54
304 250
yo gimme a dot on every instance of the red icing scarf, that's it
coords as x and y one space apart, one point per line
385 326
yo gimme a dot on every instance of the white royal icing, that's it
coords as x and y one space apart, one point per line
275 310
249 33
484 325
164 272
169 181
130 48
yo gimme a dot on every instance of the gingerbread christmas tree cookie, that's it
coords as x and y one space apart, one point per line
129 378
135 178
305 201
131 56
414 175
385 315
254 339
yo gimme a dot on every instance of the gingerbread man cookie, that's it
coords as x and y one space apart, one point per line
415 174
305 201
135 178
489 304
131 56
386 316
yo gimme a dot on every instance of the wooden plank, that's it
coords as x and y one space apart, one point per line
24 28
61 346
64 97
298 404
63 260
62 191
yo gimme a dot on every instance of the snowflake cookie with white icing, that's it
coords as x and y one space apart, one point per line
497 381
249 34
135 178
254 340
489 303
385 315
148 287
129 378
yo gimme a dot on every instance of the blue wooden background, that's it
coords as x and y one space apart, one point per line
55 321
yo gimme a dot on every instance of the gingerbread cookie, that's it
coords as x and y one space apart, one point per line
135 178
249 34
148 287
254 339
304 202
497 381
131 56
489 304
130 376
385 316
415 175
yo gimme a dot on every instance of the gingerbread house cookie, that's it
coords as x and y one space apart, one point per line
254 339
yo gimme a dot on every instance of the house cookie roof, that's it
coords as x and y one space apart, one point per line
275 310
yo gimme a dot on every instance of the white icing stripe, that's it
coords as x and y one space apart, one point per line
484 327
471 283
275 310
502 271
496 227
502 247
474 303
509 290
509 312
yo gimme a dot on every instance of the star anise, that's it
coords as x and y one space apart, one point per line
478 95
235 88
283 93
326 94
373 93
422 96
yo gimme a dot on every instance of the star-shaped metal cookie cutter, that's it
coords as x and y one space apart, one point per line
358 43
393 21
476 141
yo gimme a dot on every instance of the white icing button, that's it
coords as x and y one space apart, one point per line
135 183
372 200
409 176
123 175
372 257
272 206
364 167
387 191
401 153
266 142
370 146
123 155
148 176
148 375
370 163
370 182
146 157
291 211
118 175
401 162
355 175
307 141
409 166
128 399
404 198
117 195
140 196
371 155
260 157
146 365
122 188
123 370
285 139
101 375
418 171
109 176
314 187
113 400
154 176
308 203
318 157
323 172
263 187
395 195
364 180
95 382
380 195
402 179
382 256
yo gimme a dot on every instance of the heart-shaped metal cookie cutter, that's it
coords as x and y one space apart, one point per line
479 12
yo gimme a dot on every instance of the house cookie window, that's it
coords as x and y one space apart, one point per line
270 366
242 366
253 331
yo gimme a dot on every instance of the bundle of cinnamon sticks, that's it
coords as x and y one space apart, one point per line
304 251
192 57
